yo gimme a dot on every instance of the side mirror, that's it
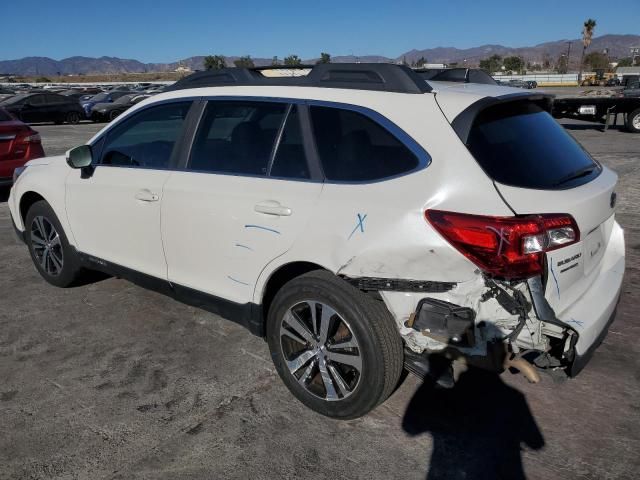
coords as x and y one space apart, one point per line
80 157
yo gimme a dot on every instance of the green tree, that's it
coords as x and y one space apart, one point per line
513 64
292 61
596 60
625 62
244 62
491 64
324 58
275 61
588 28
214 62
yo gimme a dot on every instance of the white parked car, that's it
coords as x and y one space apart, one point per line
360 218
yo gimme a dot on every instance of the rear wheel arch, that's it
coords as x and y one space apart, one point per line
283 274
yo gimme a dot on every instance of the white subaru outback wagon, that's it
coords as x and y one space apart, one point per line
360 218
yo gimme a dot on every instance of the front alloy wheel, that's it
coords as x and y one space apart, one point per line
47 247
320 350
50 251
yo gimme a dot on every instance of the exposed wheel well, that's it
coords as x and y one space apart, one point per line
281 276
28 199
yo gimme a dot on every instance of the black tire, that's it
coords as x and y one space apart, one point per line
114 114
73 118
634 118
41 213
379 346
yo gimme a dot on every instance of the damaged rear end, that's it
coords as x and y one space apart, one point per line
548 276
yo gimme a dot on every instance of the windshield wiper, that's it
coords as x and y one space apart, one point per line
582 172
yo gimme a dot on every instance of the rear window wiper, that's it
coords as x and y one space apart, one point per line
582 172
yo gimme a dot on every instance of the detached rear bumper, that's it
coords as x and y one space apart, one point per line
592 314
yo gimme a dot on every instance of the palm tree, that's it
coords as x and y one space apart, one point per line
587 34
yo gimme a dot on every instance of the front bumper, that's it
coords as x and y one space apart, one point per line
20 234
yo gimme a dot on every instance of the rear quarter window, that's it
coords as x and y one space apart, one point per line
520 144
355 148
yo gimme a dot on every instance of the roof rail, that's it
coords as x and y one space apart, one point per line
383 77
461 75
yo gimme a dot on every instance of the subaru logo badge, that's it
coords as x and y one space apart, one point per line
613 199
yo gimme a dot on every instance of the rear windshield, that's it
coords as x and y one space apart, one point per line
520 144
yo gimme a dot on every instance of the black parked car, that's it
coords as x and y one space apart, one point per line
44 107
103 112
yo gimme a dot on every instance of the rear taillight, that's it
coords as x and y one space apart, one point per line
506 247
33 137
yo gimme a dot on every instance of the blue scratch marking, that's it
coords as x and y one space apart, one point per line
360 225
244 246
262 228
554 277
580 323
237 281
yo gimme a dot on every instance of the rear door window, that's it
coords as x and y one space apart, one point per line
290 160
237 137
521 145
355 148
54 99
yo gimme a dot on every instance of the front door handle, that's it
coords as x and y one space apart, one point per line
146 195
271 207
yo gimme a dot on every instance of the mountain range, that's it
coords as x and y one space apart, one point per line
617 45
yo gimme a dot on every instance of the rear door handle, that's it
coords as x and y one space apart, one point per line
146 195
271 207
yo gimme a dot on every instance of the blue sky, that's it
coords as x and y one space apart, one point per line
168 30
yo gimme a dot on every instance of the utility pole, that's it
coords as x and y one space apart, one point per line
568 56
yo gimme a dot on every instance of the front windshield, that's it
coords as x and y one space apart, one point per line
101 97
5 116
14 100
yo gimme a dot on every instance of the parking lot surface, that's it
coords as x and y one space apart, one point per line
108 380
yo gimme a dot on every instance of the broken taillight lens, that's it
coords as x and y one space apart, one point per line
506 247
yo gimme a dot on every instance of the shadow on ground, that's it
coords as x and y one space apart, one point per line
479 427
4 194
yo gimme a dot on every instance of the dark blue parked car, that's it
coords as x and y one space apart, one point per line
104 97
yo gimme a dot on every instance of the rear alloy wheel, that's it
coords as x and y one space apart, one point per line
320 350
53 257
337 349
633 121
73 118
